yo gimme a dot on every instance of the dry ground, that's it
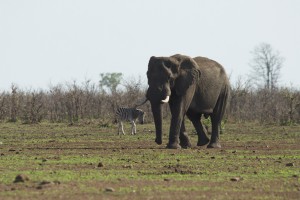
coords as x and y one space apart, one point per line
91 162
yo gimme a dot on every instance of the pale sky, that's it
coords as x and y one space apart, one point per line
58 41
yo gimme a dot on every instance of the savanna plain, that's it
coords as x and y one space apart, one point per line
87 161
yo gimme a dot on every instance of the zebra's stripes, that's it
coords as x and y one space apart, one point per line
131 115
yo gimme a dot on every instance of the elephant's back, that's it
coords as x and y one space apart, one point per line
213 80
211 71
209 64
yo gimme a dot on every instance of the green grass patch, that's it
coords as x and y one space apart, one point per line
256 162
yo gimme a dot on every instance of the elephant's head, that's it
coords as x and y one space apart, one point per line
168 77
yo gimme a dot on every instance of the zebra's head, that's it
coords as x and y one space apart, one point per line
141 116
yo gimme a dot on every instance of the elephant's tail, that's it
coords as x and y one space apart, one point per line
223 101
226 99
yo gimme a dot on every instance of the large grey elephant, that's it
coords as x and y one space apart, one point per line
193 87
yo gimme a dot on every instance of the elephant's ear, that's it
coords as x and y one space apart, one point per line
189 74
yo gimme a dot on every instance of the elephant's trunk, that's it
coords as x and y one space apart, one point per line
157 114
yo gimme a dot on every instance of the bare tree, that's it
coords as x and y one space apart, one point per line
14 103
266 64
33 107
133 91
4 105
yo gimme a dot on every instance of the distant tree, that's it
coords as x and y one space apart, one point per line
110 80
14 101
266 65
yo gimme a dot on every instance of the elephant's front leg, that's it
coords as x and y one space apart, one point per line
175 125
178 107
174 133
183 137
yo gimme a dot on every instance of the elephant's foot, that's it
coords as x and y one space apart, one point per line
186 145
214 145
185 141
158 141
173 146
203 142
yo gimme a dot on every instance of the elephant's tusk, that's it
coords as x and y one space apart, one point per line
166 100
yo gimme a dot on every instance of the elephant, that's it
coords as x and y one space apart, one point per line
193 87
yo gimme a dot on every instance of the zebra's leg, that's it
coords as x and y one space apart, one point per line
119 126
133 128
122 128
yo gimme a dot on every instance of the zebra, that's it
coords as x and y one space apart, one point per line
129 114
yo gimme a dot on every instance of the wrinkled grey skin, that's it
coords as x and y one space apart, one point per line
196 86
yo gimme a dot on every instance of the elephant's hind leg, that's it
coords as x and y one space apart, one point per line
201 130
216 119
214 142
184 138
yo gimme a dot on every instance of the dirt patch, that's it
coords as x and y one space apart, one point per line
88 162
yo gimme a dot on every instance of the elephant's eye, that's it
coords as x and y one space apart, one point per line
171 82
169 75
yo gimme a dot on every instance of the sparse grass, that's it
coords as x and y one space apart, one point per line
264 160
